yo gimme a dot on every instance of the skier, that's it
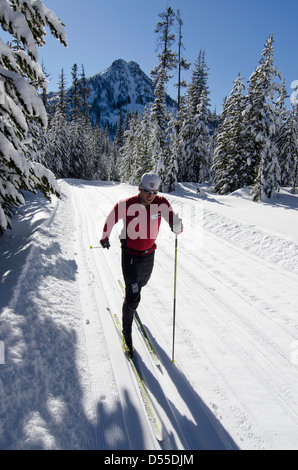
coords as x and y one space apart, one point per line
142 217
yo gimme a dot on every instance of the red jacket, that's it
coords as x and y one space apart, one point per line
141 223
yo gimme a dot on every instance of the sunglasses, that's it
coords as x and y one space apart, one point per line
150 192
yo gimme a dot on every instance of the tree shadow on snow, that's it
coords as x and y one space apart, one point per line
83 183
42 398
15 244
194 192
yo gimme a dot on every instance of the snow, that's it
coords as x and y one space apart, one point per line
64 381
17 22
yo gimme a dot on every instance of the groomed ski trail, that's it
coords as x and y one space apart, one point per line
238 328
186 421
235 378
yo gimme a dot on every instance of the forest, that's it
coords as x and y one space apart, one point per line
252 143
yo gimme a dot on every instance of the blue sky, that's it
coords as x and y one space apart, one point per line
231 32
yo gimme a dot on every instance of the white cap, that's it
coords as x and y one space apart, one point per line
150 181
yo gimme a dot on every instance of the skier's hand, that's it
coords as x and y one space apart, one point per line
105 243
177 227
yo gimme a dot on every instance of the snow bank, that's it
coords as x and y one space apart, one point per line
41 330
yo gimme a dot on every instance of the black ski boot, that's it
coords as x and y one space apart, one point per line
127 319
128 346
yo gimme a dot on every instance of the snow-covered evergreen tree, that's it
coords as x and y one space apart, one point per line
76 101
80 132
159 117
20 77
57 148
85 93
195 131
62 103
116 146
176 142
172 167
182 63
288 149
126 162
229 168
159 114
144 161
107 156
174 164
262 123
119 137
101 149
167 58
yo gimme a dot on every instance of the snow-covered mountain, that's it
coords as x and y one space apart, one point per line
123 86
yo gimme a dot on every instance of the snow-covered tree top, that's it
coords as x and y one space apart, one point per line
20 77
16 15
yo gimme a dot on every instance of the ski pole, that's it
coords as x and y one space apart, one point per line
175 288
94 247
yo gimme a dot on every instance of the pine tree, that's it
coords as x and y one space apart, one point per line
143 159
62 104
57 155
58 144
288 149
80 160
159 127
229 168
85 93
172 168
161 75
167 58
177 143
182 63
126 163
100 147
44 91
261 122
174 165
21 76
106 158
119 137
76 101
195 129
116 146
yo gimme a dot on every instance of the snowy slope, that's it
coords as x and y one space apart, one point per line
65 383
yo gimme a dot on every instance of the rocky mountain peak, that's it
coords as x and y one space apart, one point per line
121 87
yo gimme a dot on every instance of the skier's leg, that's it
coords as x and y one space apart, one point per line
146 268
127 319
136 273
132 297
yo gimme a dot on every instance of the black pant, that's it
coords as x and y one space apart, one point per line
136 272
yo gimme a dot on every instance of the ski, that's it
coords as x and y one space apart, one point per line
141 385
143 332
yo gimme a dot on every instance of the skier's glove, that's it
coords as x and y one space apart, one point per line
105 243
177 227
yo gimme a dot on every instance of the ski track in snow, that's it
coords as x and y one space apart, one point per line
66 383
178 431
